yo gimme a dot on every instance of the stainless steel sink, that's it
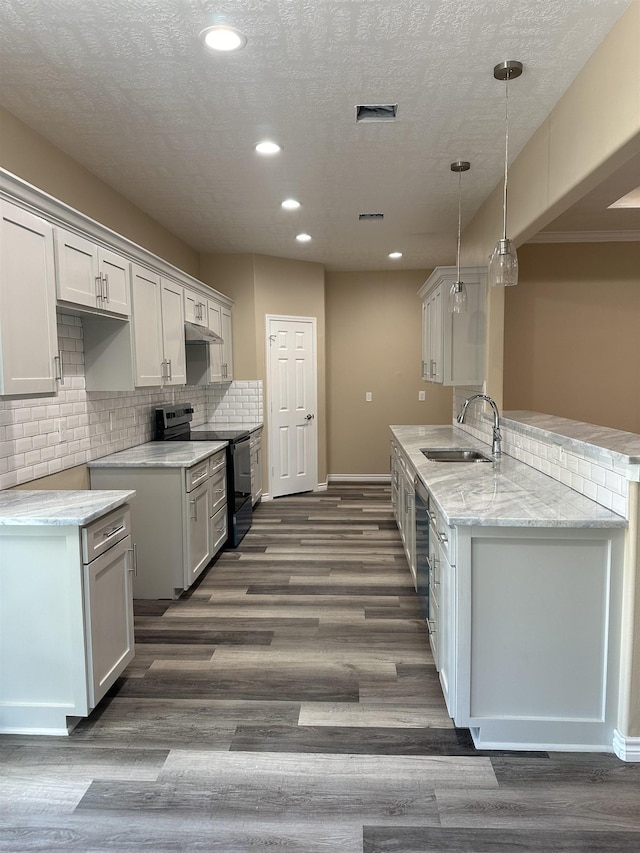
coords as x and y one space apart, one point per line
455 455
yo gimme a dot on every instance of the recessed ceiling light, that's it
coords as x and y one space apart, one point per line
303 238
395 255
290 204
267 147
220 37
631 199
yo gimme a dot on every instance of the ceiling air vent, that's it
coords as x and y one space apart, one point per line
369 216
376 112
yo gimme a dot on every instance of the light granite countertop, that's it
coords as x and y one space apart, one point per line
590 439
59 507
160 454
502 493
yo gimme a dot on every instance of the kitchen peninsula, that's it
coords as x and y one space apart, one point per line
521 580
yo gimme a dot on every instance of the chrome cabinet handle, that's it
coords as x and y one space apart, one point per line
134 560
431 626
106 287
194 517
99 293
59 377
109 533
441 538
432 364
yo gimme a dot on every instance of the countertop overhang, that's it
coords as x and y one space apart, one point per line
59 507
157 454
501 493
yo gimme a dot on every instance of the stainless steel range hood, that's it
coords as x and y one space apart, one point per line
194 334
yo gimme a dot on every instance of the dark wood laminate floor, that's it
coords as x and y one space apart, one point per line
289 702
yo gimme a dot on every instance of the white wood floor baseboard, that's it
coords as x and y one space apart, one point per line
359 478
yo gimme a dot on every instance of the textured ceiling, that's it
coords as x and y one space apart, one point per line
126 89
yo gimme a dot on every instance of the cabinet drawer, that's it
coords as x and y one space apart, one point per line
197 474
218 487
217 462
441 533
218 530
100 535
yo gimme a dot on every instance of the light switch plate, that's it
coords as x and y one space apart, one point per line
368 397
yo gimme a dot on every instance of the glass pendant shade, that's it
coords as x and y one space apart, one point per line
457 301
457 298
503 264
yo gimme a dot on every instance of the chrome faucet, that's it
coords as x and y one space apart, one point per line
496 448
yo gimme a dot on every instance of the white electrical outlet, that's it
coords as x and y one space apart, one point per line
368 397
62 432
421 395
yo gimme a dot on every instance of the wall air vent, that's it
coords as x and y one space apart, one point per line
369 216
376 112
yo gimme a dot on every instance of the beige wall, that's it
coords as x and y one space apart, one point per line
591 132
264 285
374 335
29 156
234 276
572 333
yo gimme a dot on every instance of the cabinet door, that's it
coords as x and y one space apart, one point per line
147 327
256 470
435 335
76 269
109 614
227 346
199 533
28 333
216 351
115 287
173 333
195 307
218 530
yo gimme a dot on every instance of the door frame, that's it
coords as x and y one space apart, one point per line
269 400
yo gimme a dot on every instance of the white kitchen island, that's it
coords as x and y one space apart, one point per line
66 605
524 601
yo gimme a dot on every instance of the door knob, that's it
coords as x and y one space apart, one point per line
308 417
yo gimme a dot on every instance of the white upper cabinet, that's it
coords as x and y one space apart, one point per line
195 308
173 343
158 329
227 346
91 276
29 362
453 345
150 368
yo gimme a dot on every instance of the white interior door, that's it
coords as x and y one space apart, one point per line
292 401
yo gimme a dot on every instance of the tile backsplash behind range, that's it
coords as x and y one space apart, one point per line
45 435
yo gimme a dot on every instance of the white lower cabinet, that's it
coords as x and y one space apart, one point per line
178 515
403 499
66 620
256 466
538 624
524 625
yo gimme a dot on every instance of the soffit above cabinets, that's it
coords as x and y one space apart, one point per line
127 89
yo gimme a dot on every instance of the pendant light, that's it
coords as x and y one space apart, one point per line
458 292
503 263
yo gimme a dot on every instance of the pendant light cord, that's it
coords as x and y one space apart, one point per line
506 156
459 219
